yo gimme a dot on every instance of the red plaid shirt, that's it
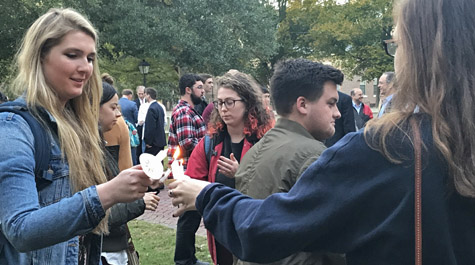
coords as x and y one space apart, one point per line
186 130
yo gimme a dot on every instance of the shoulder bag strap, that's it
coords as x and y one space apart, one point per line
42 142
418 190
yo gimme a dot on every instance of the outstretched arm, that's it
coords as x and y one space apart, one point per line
312 216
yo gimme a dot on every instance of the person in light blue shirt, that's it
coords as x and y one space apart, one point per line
59 216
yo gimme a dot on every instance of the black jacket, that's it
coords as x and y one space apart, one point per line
360 118
346 123
120 213
201 107
137 102
154 132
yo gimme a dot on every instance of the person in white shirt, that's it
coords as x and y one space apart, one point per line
141 122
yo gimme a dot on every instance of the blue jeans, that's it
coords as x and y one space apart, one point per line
133 152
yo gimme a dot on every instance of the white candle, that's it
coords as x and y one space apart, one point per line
177 169
165 175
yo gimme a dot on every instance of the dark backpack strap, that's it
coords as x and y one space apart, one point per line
42 139
209 147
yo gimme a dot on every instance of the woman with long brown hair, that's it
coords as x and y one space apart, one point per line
360 197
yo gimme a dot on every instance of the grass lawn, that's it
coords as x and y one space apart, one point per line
156 243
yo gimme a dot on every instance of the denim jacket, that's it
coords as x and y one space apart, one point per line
41 227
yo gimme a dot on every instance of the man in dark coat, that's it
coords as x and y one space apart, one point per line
154 133
346 123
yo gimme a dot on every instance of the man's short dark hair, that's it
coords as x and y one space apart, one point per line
151 92
294 78
187 80
205 77
389 77
127 92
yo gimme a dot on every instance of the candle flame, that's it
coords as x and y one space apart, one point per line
177 153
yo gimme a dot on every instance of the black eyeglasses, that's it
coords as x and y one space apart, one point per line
229 103
390 47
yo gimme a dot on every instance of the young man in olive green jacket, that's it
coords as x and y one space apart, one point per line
305 97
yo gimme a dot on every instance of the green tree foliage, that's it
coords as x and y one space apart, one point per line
294 31
214 36
124 69
348 34
15 18
179 35
13 25
200 36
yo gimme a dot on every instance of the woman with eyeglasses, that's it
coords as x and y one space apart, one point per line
360 196
238 121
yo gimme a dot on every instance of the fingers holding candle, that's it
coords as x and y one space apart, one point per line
184 193
130 185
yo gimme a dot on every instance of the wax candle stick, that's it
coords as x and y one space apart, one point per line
165 175
177 169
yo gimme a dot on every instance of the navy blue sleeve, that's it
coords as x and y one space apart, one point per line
136 113
161 139
331 208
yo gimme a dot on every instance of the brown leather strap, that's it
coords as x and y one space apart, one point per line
417 190
129 239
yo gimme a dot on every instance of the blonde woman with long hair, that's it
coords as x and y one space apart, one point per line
358 198
59 216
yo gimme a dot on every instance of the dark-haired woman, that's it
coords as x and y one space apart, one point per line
117 138
115 244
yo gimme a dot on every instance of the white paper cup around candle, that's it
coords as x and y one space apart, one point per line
151 165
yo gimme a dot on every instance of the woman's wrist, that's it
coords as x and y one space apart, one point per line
105 195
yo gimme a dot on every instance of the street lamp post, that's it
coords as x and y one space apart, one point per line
144 67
